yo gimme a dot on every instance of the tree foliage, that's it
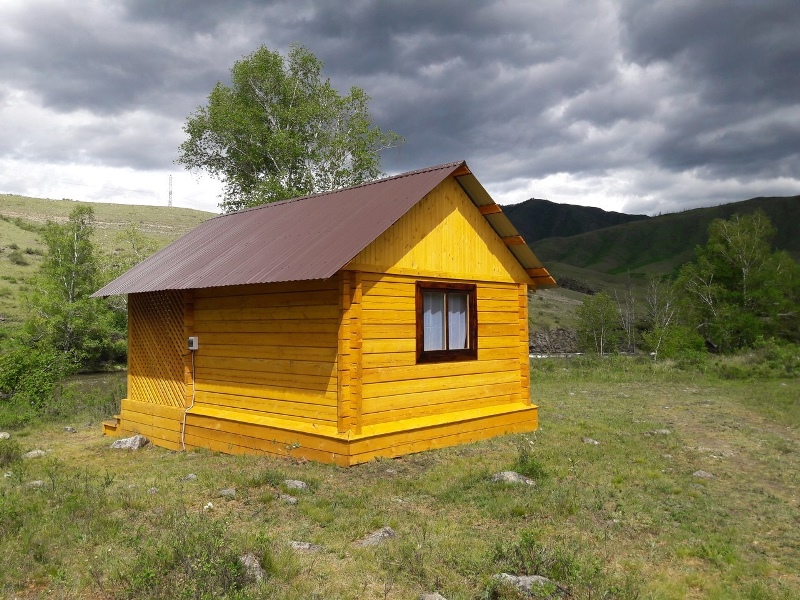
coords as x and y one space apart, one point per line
738 290
280 131
64 318
599 324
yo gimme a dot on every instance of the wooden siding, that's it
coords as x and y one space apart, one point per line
244 432
156 345
394 387
268 350
443 236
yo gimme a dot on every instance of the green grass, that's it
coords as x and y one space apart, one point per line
21 248
624 519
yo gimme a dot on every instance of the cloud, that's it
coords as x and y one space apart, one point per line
617 103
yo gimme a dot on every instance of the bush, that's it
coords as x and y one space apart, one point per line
526 463
190 558
767 359
17 258
29 376
10 453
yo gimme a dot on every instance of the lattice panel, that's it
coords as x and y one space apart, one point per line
156 345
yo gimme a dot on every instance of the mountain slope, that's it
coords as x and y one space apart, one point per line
660 244
538 219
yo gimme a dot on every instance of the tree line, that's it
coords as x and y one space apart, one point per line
735 294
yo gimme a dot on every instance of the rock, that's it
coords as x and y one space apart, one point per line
34 454
432 596
512 477
555 341
530 584
287 498
294 484
189 477
4 435
36 483
376 537
658 432
131 443
304 546
152 490
588 440
252 567
703 474
69 429
227 493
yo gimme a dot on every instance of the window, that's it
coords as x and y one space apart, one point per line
447 322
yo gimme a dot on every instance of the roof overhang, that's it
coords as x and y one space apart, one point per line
498 221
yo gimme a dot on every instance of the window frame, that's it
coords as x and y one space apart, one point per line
434 356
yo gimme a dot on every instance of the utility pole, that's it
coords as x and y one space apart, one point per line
170 192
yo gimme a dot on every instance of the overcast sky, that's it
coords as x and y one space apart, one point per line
634 106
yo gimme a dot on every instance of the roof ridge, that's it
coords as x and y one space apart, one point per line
453 164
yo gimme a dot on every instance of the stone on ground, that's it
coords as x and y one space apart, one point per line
512 477
376 537
252 567
294 484
131 443
34 454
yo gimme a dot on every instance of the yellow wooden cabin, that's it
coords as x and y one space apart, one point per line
378 320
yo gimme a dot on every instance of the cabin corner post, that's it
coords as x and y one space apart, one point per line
188 331
524 352
343 356
356 340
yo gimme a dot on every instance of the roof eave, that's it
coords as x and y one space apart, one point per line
499 222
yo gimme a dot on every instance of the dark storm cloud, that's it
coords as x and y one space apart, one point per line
655 96
739 65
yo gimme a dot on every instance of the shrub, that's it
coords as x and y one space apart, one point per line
17 258
29 375
191 558
768 359
526 463
10 453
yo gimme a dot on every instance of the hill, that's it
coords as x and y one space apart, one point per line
539 219
21 247
659 245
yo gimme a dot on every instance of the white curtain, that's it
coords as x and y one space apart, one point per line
433 309
457 321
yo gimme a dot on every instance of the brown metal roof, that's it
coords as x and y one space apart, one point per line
299 239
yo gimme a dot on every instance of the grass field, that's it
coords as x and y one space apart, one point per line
630 517
21 247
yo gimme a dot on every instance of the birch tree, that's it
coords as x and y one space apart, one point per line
280 130
63 317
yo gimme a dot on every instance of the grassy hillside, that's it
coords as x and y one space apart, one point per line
538 219
21 248
660 244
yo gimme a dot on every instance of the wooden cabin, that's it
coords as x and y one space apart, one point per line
378 320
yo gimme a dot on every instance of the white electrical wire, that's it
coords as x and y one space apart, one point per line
188 408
